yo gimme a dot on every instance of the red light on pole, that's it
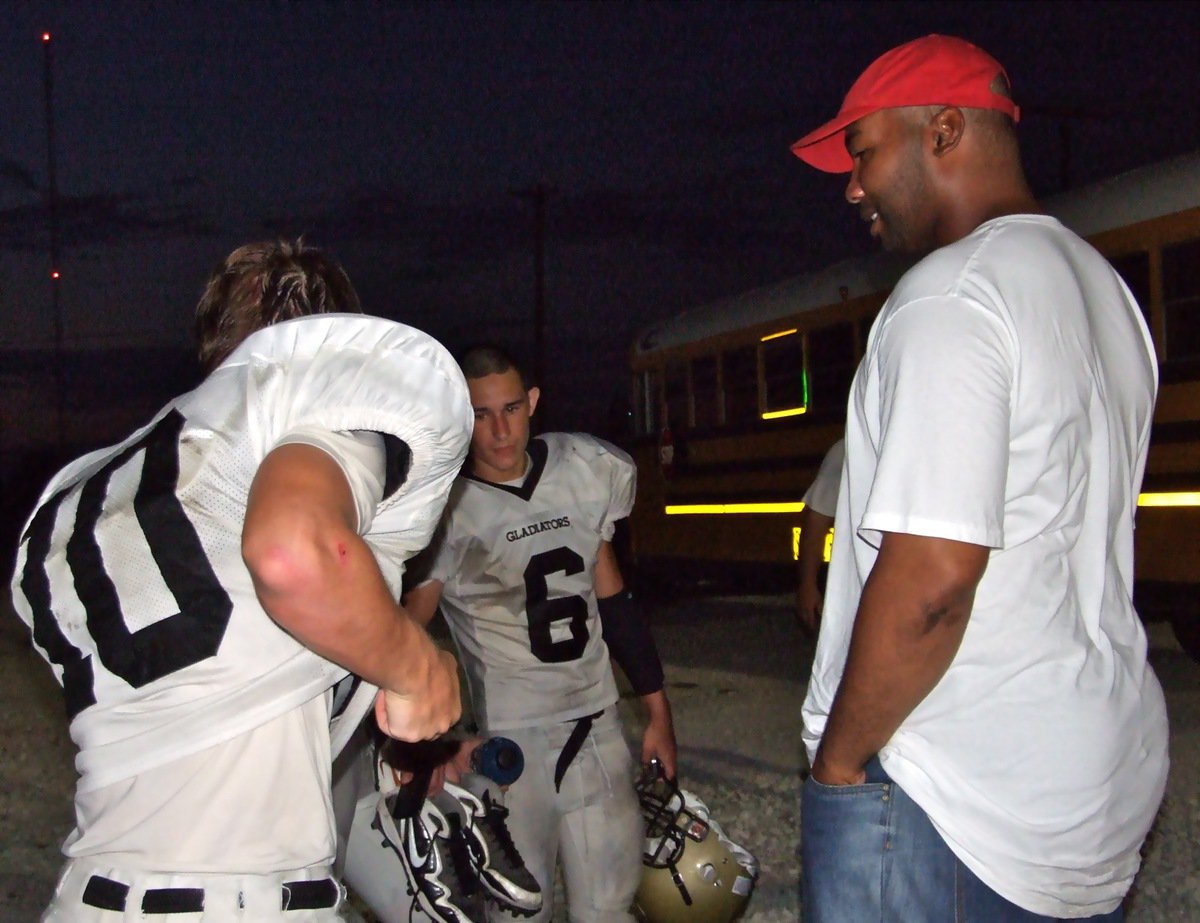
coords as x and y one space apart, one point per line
52 208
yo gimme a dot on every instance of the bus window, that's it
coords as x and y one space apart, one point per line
649 400
705 396
832 359
1181 299
741 384
677 396
1134 268
783 375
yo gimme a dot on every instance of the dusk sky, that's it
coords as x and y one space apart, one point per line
399 136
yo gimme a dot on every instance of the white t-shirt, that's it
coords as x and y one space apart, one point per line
1005 400
821 496
517 564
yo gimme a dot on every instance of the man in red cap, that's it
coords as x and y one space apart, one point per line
986 738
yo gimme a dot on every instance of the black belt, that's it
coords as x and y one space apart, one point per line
296 895
572 747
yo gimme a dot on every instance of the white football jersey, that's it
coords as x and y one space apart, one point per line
517 566
130 571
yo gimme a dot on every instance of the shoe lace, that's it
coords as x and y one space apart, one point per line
494 823
460 858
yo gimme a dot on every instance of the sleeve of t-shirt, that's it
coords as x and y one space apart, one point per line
361 456
822 493
944 370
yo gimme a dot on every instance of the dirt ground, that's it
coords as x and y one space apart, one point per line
736 669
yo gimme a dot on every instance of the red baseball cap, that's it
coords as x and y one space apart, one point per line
930 71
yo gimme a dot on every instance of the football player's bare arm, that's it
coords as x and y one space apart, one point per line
421 602
814 527
319 580
606 578
910 622
658 740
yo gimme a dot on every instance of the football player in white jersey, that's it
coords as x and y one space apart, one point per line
527 578
200 588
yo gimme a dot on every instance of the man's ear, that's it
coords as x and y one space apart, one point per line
947 129
533 394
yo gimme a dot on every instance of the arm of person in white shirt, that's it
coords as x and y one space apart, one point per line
318 579
814 526
910 622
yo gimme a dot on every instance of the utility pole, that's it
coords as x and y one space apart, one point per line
55 274
538 196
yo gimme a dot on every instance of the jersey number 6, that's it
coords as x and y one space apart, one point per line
543 612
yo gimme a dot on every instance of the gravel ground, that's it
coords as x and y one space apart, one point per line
736 668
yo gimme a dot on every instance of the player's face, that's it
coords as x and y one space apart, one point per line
889 185
502 411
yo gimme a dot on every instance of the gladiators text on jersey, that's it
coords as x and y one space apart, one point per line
546 525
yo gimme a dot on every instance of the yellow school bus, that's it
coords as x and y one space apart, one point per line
735 402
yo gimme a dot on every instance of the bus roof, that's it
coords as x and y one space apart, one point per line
1138 195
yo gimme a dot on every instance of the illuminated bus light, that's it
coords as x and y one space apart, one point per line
781 333
826 552
790 412
711 509
1182 498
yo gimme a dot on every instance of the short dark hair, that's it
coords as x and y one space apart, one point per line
264 283
481 361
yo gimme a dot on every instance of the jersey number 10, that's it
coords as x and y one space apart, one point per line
170 644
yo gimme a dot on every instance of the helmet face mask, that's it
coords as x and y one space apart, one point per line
692 873
668 821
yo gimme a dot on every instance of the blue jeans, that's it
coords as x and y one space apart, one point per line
869 853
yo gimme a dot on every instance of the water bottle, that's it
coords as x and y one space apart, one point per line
500 759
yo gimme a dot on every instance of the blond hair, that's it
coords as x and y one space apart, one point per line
264 283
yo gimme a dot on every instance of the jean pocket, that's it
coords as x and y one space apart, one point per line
821 789
844 823
854 815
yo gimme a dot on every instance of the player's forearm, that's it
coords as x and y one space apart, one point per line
421 602
657 707
658 741
910 622
320 582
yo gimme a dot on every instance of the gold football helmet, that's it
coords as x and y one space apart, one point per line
692 872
